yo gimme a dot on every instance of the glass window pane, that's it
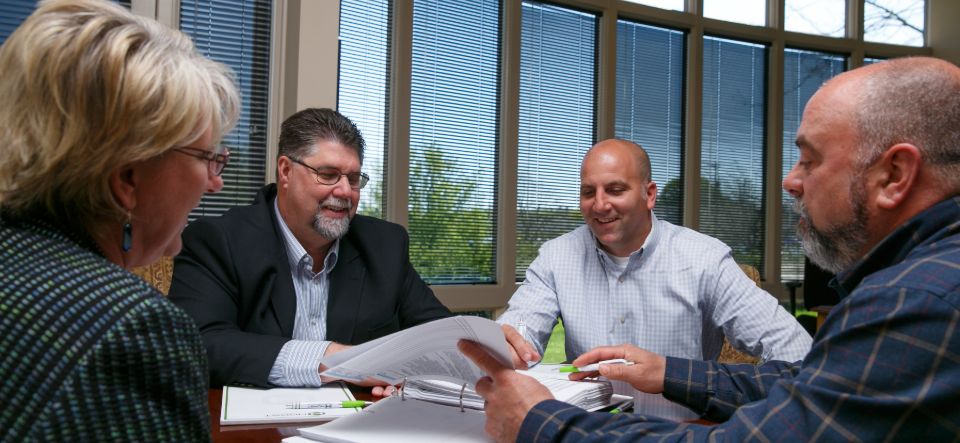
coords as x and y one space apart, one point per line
649 109
871 60
732 154
453 140
238 35
362 93
676 5
750 12
820 17
896 22
804 72
557 78
12 13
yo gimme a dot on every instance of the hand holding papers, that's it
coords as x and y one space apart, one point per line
427 351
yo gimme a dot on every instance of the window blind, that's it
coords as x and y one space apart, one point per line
649 106
452 207
236 33
362 91
14 12
557 120
803 73
732 154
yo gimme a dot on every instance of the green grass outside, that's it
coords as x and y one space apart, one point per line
555 352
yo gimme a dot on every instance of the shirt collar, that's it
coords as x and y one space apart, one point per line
296 254
935 223
648 245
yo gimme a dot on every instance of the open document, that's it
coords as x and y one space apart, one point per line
428 351
429 412
283 405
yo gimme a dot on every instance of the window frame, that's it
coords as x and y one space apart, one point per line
306 75
495 296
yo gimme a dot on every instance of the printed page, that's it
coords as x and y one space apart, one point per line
410 420
256 406
427 351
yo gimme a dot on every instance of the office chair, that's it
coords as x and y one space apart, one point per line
158 274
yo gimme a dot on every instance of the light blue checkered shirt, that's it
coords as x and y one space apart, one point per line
298 363
679 295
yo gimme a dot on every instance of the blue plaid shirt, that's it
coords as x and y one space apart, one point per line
885 366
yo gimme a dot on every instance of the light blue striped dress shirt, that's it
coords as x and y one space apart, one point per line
679 295
298 363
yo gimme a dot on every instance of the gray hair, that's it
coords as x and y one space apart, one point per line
302 130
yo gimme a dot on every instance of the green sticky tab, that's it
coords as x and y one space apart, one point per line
569 369
615 411
353 404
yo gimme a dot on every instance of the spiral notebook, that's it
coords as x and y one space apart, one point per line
240 405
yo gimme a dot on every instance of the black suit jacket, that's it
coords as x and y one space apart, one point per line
233 277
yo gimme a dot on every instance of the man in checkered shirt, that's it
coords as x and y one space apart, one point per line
877 186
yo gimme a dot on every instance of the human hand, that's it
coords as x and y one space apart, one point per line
521 351
383 391
332 348
509 396
646 374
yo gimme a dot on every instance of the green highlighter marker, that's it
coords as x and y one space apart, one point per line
330 405
595 366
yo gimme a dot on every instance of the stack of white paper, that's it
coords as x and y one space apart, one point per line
586 394
399 421
428 351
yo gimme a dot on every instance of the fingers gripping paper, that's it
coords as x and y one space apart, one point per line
427 351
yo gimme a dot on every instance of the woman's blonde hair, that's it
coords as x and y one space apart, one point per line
87 87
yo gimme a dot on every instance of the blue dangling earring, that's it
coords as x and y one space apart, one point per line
127 235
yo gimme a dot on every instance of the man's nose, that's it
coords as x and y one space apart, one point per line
600 202
792 183
342 187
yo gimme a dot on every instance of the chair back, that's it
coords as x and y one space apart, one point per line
158 274
729 354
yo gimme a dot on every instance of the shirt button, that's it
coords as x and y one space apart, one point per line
620 279
314 322
622 319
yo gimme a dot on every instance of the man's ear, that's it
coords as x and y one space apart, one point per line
898 170
283 171
651 195
123 186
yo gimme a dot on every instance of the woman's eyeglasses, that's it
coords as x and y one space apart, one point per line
216 162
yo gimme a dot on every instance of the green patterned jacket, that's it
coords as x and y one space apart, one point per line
90 352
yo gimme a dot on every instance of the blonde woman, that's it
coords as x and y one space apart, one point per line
109 135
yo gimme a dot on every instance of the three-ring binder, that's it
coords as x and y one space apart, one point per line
403 384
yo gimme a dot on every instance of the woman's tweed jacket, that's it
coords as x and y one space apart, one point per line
88 351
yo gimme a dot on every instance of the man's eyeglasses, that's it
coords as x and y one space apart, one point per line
331 176
215 161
